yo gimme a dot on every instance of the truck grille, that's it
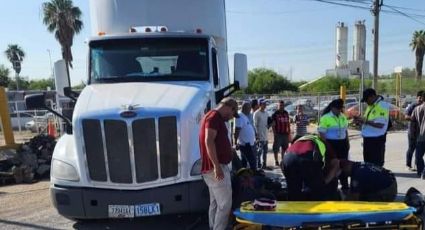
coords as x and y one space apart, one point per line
146 150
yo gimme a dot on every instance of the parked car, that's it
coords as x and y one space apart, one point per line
354 111
320 107
351 100
20 119
38 123
308 110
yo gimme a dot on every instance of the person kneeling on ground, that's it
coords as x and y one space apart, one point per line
311 167
369 182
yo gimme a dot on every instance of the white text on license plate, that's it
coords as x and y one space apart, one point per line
121 211
147 209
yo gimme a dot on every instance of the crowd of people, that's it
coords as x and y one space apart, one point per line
315 166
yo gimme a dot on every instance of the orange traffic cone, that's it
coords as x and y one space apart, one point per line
51 129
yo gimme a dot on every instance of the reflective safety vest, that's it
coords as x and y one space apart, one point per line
319 143
334 127
377 112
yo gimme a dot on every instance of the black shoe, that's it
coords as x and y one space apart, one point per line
276 163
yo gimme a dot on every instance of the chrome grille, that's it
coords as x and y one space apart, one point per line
141 151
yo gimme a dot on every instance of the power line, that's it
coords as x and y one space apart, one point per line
406 8
395 9
404 14
342 4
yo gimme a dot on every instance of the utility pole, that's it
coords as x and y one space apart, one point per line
375 12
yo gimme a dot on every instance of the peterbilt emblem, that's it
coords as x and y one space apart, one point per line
128 111
129 107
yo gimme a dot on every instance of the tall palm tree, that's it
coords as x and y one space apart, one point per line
63 19
418 45
15 55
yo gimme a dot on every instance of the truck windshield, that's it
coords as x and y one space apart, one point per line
149 59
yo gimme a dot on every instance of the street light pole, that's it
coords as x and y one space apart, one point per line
50 60
375 11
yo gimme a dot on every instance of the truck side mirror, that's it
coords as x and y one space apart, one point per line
35 101
61 77
241 70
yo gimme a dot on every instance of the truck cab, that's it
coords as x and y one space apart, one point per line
132 149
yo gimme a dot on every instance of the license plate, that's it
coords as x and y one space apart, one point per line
147 209
121 211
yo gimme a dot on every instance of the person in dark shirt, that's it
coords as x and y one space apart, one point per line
410 132
310 171
369 182
281 130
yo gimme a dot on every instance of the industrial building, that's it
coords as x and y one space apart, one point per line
358 64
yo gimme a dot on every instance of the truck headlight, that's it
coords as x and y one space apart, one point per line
196 168
64 171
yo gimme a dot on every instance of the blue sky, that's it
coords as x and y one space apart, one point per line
283 35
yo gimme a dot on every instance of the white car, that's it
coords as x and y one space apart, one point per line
38 123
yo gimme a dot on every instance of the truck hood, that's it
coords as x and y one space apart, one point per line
176 96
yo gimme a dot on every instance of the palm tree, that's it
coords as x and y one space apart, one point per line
418 45
63 19
15 55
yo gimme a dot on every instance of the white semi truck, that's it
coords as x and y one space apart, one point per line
131 148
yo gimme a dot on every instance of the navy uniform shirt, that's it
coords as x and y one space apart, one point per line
369 178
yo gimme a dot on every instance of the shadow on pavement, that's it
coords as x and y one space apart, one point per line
20 225
406 175
174 222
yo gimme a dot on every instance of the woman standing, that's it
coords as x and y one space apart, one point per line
333 128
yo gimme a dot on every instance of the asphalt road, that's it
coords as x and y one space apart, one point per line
28 206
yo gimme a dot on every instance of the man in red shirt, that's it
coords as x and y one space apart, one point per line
216 154
281 130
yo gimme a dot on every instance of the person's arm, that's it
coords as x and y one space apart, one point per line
212 152
274 123
409 111
333 170
361 120
256 117
322 128
236 135
375 124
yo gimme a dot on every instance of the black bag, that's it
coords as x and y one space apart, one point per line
415 199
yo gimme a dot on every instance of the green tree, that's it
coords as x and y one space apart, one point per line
4 76
418 45
63 19
23 84
41 84
15 55
266 81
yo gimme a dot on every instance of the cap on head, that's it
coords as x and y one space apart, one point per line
228 101
262 101
367 93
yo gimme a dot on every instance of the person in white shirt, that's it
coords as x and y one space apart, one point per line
245 137
262 129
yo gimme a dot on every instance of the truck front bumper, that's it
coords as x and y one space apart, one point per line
92 203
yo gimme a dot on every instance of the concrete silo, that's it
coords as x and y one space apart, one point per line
341 59
359 41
